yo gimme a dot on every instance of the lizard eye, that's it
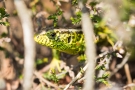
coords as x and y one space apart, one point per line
53 34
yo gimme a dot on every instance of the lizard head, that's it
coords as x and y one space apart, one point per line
53 38
46 38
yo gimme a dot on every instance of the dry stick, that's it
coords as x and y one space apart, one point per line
119 66
127 71
87 28
129 79
81 80
39 76
129 85
64 0
117 44
29 44
79 75
107 60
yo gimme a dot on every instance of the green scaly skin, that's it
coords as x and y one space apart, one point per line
70 41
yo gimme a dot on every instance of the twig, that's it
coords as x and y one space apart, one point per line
129 85
64 0
107 60
29 44
117 45
79 75
127 71
39 76
82 79
119 66
90 47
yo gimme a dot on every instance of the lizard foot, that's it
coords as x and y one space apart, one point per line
55 65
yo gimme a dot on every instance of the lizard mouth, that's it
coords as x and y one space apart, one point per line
36 38
42 39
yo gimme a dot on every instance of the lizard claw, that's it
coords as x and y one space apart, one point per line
55 65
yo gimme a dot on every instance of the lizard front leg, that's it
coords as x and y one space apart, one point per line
55 63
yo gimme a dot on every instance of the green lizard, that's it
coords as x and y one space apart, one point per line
70 41
65 40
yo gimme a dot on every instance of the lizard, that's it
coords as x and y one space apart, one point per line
70 41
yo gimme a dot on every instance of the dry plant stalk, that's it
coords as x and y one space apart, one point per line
127 71
29 44
119 66
90 47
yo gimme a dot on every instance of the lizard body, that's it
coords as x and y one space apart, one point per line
65 40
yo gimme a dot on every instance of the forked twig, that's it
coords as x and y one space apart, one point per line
79 75
119 66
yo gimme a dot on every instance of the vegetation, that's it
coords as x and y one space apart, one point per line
114 31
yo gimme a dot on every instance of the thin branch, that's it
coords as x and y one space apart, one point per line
127 71
29 44
119 66
78 76
90 47
107 60
129 85
81 80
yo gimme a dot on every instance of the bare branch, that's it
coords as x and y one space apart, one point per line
127 71
90 47
78 76
129 86
119 66
29 44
